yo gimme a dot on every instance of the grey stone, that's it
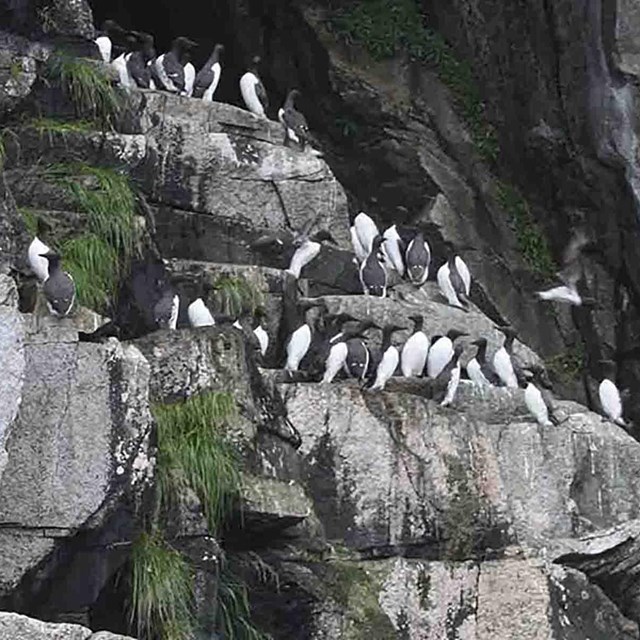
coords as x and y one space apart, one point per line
628 36
14 626
80 440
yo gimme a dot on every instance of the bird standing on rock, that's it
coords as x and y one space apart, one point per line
537 405
418 257
208 77
169 66
138 62
36 252
110 33
59 288
253 92
390 358
300 339
295 125
393 248
166 309
609 394
478 369
441 352
120 62
365 230
502 363
373 274
448 379
415 350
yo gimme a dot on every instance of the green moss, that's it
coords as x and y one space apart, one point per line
462 520
87 84
356 590
386 27
568 366
532 244
52 126
194 451
15 70
236 296
161 590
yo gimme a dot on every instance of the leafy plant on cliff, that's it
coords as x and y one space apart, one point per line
235 295
88 85
194 450
387 27
532 244
161 590
568 365
98 258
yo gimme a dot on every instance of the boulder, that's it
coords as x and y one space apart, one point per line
17 627
78 445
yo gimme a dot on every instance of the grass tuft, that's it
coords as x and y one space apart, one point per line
87 84
532 244
99 258
30 219
95 268
387 27
51 126
569 365
236 296
194 450
161 590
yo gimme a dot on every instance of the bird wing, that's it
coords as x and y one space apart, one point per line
262 94
295 121
203 79
463 270
571 259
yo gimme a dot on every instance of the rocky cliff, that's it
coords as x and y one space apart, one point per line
350 514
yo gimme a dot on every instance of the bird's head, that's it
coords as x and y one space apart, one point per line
184 44
324 236
367 324
454 334
435 338
219 49
377 242
52 257
457 350
507 330
480 342
417 319
111 26
392 328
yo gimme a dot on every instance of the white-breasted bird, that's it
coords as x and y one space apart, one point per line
373 274
479 370
454 280
39 264
208 78
166 309
307 249
259 331
502 363
367 231
415 350
418 258
393 248
299 341
295 125
59 288
110 34
609 395
537 405
253 92
446 383
441 352
389 360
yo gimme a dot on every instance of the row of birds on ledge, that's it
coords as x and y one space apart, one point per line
335 347
137 65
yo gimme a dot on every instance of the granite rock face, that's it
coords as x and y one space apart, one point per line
16 627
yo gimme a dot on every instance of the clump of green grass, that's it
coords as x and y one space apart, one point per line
387 27
532 244
95 267
236 296
52 126
88 86
98 258
30 219
161 590
194 451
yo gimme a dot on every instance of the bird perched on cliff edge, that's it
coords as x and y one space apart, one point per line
253 92
609 394
208 77
295 125
59 288
110 34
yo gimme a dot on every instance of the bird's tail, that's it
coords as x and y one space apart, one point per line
553 419
620 422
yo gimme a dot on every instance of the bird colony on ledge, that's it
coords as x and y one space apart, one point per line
382 259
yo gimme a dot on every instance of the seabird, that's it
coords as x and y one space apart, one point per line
358 356
170 66
373 274
308 249
358 249
138 62
441 352
570 274
165 310
120 63
331 332
199 314
259 331
295 124
189 74
502 363
448 379
454 281
37 249
393 248
609 395
111 31
418 257
390 357
253 91
300 339
366 230
59 288
415 350
537 405
478 369
208 77
335 360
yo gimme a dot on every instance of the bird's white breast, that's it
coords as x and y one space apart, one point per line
298 346
414 354
439 355
387 367
463 270
391 248
474 371
366 229
263 338
189 78
503 366
303 255
105 47
39 265
536 404
610 399
335 360
199 315
248 84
